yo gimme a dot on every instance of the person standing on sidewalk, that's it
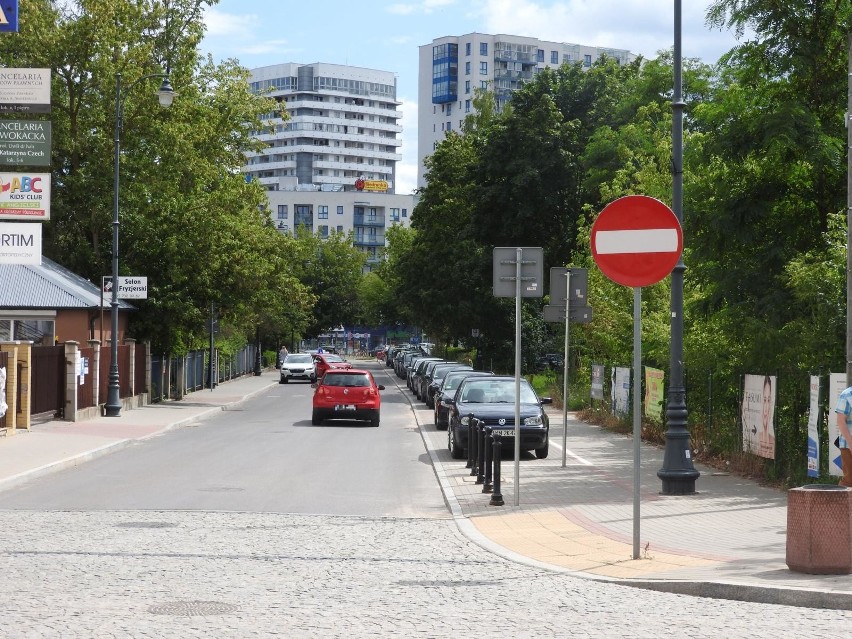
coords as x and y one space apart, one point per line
844 420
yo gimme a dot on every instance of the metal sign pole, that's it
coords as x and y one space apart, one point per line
518 266
637 416
565 368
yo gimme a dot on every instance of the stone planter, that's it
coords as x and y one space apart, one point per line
819 529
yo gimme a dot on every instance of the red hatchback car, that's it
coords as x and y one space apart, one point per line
347 394
325 361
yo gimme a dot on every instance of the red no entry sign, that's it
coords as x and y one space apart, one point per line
636 241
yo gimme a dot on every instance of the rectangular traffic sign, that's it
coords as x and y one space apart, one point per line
505 264
579 285
577 314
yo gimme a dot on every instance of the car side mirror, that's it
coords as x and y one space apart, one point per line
381 387
314 385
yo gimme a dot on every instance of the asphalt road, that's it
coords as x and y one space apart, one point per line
264 456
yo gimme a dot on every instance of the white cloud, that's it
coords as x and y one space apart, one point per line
220 24
426 6
641 26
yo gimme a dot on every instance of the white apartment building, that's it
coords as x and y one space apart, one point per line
452 67
331 165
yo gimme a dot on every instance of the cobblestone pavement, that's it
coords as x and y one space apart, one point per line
184 575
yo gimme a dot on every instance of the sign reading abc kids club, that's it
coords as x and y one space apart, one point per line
25 196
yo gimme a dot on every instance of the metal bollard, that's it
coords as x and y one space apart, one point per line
488 487
472 448
480 455
470 419
496 496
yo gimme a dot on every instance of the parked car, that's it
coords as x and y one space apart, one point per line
424 376
492 400
446 394
550 360
416 372
435 378
350 393
298 366
326 361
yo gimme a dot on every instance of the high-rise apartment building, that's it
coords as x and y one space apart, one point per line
451 68
331 165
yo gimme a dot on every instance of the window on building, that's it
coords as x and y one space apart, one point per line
323 229
449 126
554 57
483 84
467 68
483 48
587 60
340 210
282 211
371 214
322 212
404 212
539 55
467 106
467 86
449 109
340 228
394 214
483 68
467 48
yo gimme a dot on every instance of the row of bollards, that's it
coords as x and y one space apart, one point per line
484 451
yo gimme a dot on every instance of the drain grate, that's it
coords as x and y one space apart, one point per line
193 608
146 524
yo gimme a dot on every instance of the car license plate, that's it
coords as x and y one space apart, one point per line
345 407
503 432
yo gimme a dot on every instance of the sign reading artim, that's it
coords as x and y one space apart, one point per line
25 196
20 243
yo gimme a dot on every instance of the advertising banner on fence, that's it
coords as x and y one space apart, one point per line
654 399
836 385
597 381
25 196
758 413
813 428
621 391
24 90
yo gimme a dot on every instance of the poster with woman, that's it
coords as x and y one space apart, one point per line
758 415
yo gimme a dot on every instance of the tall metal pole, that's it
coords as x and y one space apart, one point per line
113 403
678 475
518 271
637 411
565 368
166 94
849 217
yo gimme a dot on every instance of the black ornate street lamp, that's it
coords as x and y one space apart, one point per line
166 94
678 474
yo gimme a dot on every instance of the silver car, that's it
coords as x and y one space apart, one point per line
298 366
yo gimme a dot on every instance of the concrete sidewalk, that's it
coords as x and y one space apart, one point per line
726 541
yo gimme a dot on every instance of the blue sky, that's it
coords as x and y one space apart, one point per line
386 36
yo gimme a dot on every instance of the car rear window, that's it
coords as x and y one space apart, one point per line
298 359
502 391
345 379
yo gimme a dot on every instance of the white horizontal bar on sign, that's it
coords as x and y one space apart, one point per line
636 241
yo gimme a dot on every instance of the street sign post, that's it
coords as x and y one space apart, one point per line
518 272
636 241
